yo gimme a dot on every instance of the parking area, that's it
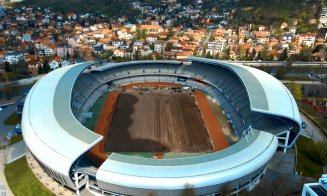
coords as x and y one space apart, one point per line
4 129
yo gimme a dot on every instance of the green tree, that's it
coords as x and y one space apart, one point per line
67 55
46 67
8 90
295 90
170 33
7 67
305 55
188 190
283 55
226 53
40 70
106 54
281 72
253 55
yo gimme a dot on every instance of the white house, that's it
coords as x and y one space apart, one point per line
13 57
159 46
151 38
216 47
54 64
307 39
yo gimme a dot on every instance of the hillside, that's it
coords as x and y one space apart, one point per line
112 8
275 12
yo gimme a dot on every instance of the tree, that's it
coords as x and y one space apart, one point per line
170 33
151 45
253 55
8 90
283 55
46 67
106 54
226 53
7 67
280 72
259 56
168 46
67 55
295 90
305 55
137 55
40 70
140 33
188 190
209 56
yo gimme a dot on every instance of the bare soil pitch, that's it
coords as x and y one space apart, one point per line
157 123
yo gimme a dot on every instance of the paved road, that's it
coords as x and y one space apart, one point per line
201 48
279 63
4 129
303 82
26 81
312 130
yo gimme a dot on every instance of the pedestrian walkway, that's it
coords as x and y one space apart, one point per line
4 188
312 131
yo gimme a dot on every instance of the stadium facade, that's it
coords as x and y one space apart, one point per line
261 110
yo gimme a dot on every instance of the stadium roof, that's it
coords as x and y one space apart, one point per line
49 127
266 93
113 65
251 153
52 133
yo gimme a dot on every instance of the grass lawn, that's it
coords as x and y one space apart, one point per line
22 180
15 139
306 166
13 119
96 109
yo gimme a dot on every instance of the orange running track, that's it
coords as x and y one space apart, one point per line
218 137
102 126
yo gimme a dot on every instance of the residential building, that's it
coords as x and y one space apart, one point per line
307 39
62 51
159 46
152 28
151 38
216 47
26 37
14 57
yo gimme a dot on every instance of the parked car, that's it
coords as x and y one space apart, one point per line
304 125
18 129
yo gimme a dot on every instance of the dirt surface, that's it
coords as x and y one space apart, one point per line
218 138
144 122
97 153
222 121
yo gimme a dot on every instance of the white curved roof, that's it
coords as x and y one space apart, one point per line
232 163
266 93
52 133
50 130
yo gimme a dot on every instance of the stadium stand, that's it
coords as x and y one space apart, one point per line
256 121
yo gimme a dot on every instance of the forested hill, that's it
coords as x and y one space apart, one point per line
275 12
110 8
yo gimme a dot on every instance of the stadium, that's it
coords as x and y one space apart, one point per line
158 127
